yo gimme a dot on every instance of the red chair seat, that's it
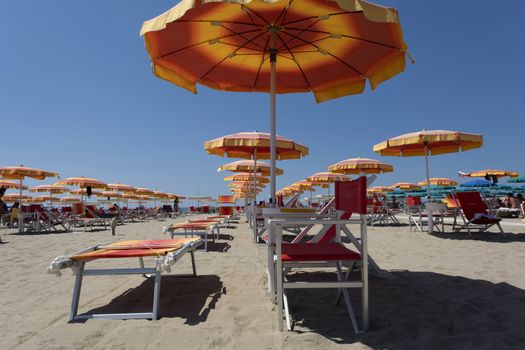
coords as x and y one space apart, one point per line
317 252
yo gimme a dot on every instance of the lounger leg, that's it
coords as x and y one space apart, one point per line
287 312
76 292
348 302
194 268
156 295
501 229
206 240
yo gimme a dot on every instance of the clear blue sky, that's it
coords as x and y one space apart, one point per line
77 96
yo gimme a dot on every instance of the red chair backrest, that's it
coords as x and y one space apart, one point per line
226 210
66 209
350 196
471 203
78 208
205 209
413 201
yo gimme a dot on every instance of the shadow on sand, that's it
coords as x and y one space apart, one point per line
490 237
419 310
190 298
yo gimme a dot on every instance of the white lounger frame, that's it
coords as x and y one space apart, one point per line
162 264
212 229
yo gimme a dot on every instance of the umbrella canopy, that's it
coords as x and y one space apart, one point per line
21 172
491 172
45 198
246 177
326 177
329 48
357 166
379 189
439 182
111 194
249 166
254 145
82 182
245 183
69 199
428 142
83 192
179 196
12 185
144 191
477 183
406 186
517 179
49 188
131 196
305 185
15 197
121 187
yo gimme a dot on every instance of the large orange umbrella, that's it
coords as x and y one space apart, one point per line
358 166
331 48
255 145
84 192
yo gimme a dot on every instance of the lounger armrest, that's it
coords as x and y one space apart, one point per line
59 263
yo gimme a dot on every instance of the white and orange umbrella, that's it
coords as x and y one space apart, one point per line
82 182
11 185
379 189
491 172
121 187
406 186
246 177
51 189
69 199
357 166
438 181
20 173
10 198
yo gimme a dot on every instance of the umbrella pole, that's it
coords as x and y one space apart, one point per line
20 215
273 59
254 177
429 210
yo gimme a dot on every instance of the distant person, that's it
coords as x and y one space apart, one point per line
507 200
515 202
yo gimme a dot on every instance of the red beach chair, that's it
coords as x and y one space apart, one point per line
474 214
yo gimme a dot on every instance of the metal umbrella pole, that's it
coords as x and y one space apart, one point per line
273 60
429 204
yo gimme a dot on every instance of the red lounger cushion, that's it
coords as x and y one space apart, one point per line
317 252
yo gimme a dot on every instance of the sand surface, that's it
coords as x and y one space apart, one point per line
451 291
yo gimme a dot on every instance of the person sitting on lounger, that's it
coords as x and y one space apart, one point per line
507 200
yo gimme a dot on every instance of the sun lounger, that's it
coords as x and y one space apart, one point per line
191 229
166 253
379 212
473 213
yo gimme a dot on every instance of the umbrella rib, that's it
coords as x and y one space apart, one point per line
222 60
284 12
297 63
328 53
302 31
256 14
346 36
213 21
313 41
242 36
204 42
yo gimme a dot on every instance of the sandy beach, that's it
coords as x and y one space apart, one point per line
449 291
